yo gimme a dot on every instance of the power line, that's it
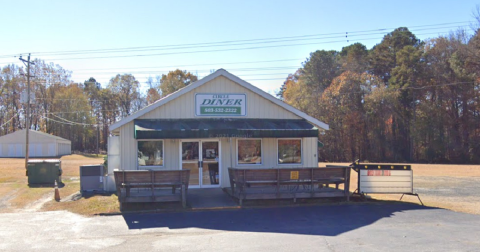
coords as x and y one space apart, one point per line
261 40
65 121
69 123
218 50
1 126
266 79
209 64
222 50
79 111
197 70
177 47
406 88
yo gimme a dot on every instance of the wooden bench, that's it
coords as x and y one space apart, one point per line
151 185
289 183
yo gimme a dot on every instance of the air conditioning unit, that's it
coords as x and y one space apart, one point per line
91 178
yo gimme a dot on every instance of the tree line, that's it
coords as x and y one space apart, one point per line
404 100
80 112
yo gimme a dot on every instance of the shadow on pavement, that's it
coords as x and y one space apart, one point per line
313 220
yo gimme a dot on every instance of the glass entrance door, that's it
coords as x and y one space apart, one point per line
191 161
210 164
202 158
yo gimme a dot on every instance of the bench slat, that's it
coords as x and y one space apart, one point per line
125 180
277 178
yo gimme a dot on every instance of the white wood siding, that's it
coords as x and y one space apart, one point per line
171 154
184 106
128 147
269 156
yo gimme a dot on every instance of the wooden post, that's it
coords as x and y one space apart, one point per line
184 196
312 186
347 182
152 180
278 183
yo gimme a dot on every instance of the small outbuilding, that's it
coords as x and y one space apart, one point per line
218 122
40 145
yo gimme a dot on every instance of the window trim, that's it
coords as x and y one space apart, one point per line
261 149
143 167
301 150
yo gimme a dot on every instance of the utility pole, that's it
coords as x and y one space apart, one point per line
27 117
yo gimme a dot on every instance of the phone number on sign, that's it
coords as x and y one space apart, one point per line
220 110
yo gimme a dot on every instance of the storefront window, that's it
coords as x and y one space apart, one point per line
249 151
150 153
290 151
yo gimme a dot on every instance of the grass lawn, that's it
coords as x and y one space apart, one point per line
452 187
16 195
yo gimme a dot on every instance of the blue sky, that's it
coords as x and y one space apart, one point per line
53 26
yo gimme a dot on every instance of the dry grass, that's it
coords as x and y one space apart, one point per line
13 169
16 194
87 205
435 169
432 179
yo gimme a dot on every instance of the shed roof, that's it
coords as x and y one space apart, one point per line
220 72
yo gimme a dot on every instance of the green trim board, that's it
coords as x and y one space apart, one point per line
222 127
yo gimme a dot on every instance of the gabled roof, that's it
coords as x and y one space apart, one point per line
33 132
48 135
218 73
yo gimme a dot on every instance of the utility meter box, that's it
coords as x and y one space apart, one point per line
44 171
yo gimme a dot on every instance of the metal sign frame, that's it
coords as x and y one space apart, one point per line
383 170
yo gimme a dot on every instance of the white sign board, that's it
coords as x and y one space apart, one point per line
220 105
386 181
24 96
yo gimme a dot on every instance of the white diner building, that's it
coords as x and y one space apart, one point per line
217 122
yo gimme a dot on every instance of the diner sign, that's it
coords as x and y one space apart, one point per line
220 105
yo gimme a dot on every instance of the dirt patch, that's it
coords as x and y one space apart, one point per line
38 204
5 200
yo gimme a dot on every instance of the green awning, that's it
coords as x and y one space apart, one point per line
222 127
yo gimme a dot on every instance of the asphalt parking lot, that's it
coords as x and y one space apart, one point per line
359 227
